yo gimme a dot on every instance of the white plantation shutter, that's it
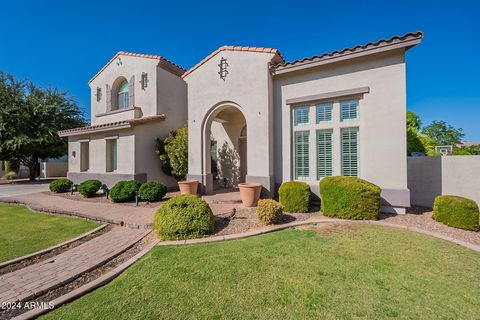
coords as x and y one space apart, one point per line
302 159
350 152
348 110
300 115
324 153
131 92
324 112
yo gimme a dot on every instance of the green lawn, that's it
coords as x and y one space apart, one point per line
23 231
367 272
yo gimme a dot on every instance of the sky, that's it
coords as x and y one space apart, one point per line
64 43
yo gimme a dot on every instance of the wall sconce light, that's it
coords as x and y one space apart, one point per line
99 94
144 80
74 154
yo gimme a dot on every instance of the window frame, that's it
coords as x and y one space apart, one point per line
342 167
111 155
323 105
122 95
303 108
84 156
317 153
296 161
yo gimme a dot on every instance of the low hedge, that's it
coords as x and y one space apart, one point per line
184 217
349 198
61 185
457 212
295 196
124 191
152 191
89 188
269 211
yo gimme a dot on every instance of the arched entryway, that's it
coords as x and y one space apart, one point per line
225 147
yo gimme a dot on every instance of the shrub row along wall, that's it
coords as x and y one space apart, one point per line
429 177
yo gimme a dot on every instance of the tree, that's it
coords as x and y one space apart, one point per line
444 133
29 120
173 153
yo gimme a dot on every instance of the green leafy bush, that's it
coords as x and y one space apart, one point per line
184 217
152 191
11 175
124 191
295 196
269 211
89 188
173 153
61 185
349 198
456 212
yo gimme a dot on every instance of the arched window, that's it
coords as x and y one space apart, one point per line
122 95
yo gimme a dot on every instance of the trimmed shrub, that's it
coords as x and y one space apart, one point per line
11 175
457 212
295 196
269 211
124 191
349 198
184 217
152 191
61 185
89 188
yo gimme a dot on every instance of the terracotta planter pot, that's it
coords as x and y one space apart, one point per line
250 193
188 186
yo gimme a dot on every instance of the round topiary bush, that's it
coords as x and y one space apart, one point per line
89 188
184 217
457 212
152 191
124 191
269 211
349 198
61 185
295 196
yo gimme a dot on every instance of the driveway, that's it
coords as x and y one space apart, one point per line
21 188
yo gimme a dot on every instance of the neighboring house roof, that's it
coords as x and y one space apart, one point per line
407 40
164 63
277 59
124 124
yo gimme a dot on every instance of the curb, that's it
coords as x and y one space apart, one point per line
317 221
31 255
106 278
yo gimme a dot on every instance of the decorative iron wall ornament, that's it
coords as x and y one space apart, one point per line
144 80
223 68
99 94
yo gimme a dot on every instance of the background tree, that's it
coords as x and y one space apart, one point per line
173 152
444 133
29 120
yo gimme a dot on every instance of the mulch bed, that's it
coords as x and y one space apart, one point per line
421 217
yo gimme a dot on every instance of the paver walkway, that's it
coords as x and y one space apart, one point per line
107 212
36 279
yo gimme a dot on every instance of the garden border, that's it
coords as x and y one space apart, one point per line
49 249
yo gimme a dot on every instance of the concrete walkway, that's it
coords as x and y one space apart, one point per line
36 279
106 212
22 188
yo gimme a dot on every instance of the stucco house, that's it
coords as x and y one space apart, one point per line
254 117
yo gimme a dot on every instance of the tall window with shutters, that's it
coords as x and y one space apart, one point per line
302 158
349 149
300 115
122 95
349 110
324 153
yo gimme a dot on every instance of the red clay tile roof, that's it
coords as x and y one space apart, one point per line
278 58
356 49
112 125
174 66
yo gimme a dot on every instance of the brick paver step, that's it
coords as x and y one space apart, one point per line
36 279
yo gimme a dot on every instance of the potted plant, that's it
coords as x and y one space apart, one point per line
250 193
173 152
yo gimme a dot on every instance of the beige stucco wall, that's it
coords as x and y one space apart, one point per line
144 99
381 119
245 87
429 177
